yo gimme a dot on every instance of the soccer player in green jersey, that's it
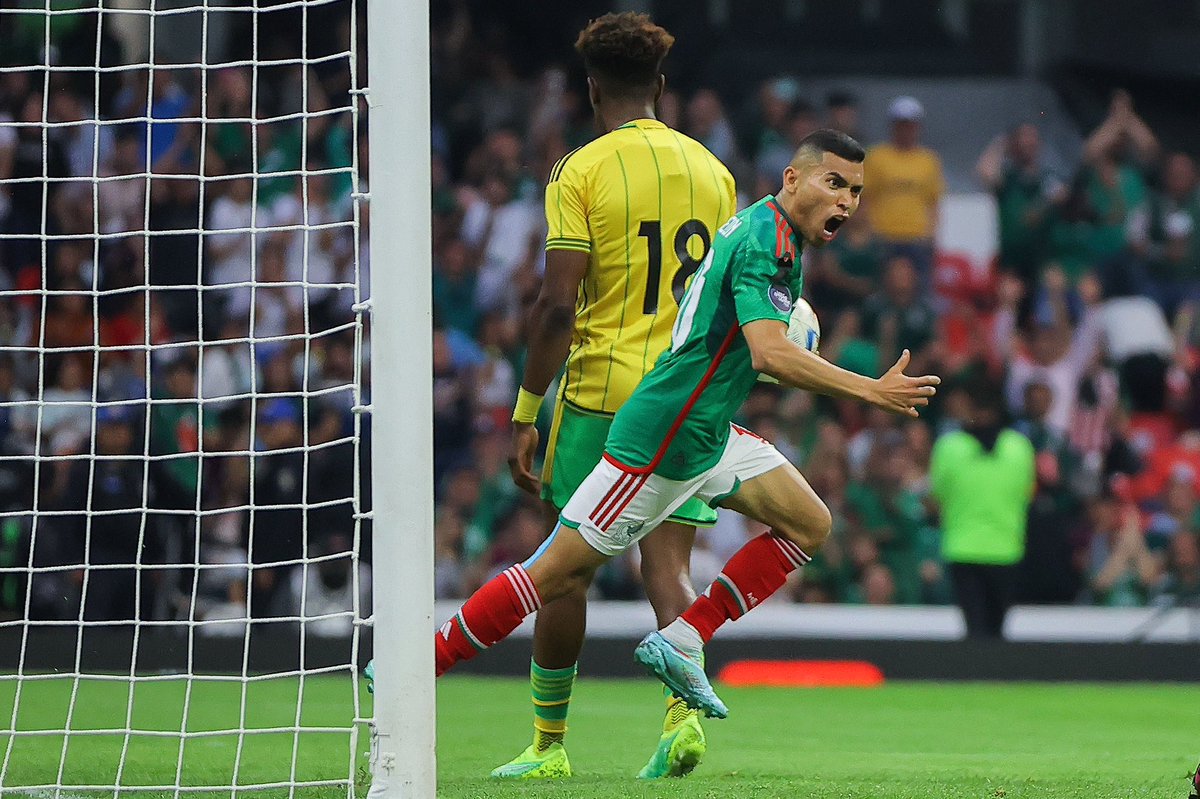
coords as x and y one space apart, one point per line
629 218
674 438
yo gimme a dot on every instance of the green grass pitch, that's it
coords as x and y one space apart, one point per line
900 741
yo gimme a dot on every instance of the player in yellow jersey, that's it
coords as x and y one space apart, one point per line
630 216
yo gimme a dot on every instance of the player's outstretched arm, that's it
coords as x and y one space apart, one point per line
548 337
772 353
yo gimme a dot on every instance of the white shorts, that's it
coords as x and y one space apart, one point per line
615 506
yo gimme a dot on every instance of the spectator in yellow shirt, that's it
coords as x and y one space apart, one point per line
906 186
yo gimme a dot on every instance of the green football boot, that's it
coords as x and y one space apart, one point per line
679 751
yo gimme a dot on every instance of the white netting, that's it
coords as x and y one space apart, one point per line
181 576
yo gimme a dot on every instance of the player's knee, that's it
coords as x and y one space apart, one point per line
810 529
578 582
555 583
820 527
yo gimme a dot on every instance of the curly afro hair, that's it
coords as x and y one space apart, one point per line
624 52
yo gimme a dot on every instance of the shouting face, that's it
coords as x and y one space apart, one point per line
820 192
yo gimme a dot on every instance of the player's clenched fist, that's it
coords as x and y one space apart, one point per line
899 393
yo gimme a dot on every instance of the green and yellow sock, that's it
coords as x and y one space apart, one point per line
551 692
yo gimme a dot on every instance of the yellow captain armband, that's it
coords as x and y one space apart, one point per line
528 405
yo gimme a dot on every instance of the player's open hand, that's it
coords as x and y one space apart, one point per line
899 393
520 457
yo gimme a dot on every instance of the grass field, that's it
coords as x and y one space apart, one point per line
901 741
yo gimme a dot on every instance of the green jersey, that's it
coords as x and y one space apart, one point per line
676 423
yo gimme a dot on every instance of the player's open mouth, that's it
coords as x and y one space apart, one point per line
831 226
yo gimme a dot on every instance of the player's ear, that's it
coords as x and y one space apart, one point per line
789 177
662 86
593 92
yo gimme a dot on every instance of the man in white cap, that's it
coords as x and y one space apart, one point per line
906 186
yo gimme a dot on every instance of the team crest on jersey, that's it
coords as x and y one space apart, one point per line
626 530
781 297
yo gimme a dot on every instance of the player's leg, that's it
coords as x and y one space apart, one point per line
574 446
754 479
612 509
971 595
560 625
799 523
666 574
557 638
666 569
565 564
1001 583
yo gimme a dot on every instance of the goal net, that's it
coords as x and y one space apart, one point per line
183 569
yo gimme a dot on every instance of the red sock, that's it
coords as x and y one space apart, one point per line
492 612
755 571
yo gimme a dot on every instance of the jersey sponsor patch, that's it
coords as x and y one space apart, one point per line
781 297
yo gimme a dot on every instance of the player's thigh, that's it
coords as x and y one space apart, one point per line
783 500
753 478
615 508
564 564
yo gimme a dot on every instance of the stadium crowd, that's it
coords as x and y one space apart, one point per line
1086 328
1083 333
219 293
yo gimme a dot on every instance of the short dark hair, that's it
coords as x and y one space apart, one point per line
826 140
624 52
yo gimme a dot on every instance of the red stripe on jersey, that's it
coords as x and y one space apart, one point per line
687 407
784 244
741 431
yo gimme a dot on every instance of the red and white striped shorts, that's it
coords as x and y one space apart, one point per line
615 505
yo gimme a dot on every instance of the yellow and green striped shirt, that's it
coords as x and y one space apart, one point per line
643 201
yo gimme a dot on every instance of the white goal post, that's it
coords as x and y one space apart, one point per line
402 745
200 399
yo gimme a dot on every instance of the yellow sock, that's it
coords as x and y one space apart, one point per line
543 740
551 690
677 713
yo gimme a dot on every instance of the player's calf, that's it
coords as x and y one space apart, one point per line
492 612
566 565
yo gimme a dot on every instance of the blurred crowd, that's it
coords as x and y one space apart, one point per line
1082 333
177 352
236 264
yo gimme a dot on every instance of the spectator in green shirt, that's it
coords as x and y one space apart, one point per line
1115 155
982 478
884 507
176 429
1026 192
900 315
